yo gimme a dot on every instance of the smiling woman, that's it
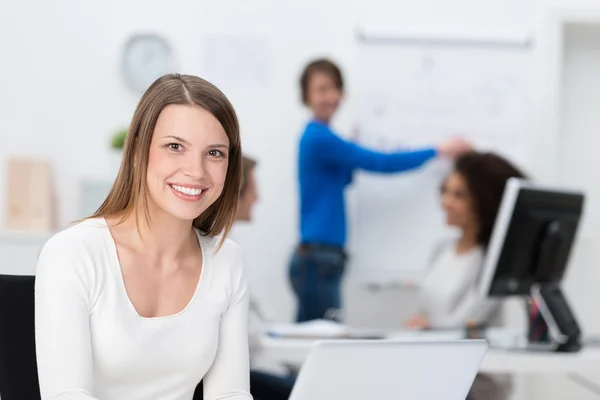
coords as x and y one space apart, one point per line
146 298
181 122
204 155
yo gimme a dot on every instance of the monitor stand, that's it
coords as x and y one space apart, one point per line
564 330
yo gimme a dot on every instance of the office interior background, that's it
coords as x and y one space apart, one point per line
67 87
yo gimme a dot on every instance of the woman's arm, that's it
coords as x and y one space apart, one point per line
420 320
472 308
62 309
229 376
256 328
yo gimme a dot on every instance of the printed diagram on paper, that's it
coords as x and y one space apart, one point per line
237 61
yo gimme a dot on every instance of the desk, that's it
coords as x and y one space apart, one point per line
294 351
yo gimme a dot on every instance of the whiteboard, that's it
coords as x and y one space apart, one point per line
412 95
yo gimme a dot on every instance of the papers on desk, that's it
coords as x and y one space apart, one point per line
325 329
433 335
499 338
316 329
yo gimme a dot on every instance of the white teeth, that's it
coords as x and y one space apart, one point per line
186 190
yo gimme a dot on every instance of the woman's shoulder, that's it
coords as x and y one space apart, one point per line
81 239
221 250
224 259
316 130
74 255
447 248
441 247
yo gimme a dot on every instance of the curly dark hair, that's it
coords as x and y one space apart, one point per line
486 175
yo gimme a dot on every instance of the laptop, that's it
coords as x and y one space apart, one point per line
389 369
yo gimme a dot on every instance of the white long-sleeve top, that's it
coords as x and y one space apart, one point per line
257 328
449 296
92 344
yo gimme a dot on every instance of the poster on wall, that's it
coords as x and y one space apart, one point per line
30 194
237 60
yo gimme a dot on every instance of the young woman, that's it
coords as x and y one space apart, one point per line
146 297
471 197
326 164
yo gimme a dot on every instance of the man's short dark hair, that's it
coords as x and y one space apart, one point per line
248 165
324 66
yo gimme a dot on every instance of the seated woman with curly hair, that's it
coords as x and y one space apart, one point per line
471 196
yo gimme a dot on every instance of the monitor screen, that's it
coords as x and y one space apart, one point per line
532 238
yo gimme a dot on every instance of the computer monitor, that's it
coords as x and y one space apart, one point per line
529 251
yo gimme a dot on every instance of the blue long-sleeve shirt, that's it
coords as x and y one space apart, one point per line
325 166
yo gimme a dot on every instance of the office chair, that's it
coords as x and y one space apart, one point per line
18 366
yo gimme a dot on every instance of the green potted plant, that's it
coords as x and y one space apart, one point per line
117 142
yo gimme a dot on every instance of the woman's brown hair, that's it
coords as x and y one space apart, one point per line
129 188
486 175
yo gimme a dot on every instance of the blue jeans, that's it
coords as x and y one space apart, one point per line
316 273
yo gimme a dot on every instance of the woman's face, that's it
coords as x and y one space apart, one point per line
187 163
323 96
457 202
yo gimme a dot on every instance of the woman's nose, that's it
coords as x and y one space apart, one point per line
195 169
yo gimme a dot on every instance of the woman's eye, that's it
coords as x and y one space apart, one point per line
174 146
215 153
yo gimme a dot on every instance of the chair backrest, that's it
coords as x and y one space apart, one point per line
18 366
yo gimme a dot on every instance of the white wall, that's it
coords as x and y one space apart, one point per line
580 166
63 94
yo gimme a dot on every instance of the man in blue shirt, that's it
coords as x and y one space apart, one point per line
325 166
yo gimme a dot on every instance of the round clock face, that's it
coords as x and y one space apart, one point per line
146 58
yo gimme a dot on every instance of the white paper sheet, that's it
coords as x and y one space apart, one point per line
310 329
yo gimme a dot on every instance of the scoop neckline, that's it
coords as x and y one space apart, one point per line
116 264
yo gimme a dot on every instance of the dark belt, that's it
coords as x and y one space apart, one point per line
304 248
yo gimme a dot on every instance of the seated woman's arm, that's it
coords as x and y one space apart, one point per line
473 308
419 319
464 303
62 309
229 375
469 306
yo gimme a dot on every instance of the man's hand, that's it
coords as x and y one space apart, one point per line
454 147
418 321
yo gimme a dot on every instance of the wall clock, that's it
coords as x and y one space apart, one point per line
146 57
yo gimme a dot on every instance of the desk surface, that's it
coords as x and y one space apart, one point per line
294 351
